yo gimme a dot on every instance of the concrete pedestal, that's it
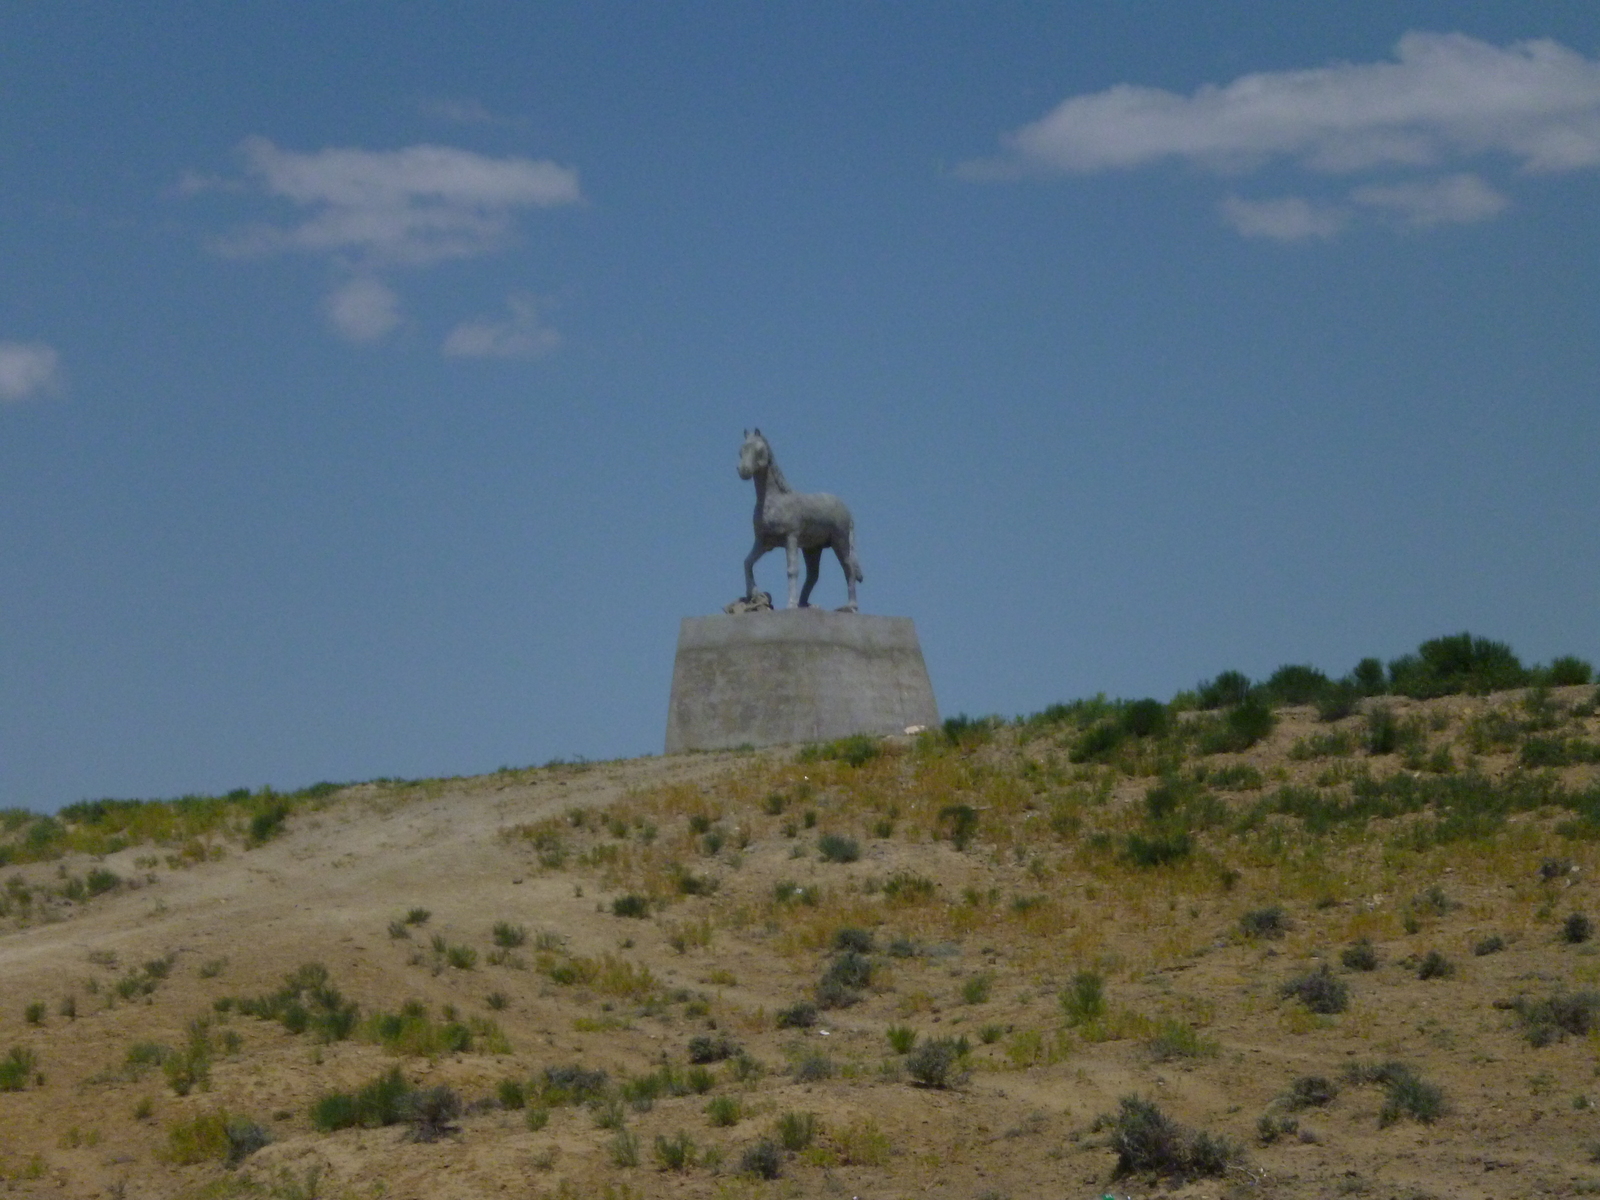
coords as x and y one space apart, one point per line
795 675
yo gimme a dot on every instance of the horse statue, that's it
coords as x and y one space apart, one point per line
808 522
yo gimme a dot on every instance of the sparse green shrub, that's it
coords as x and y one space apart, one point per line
624 1148
841 982
631 905
976 989
1320 991
936 1063
700 1081
204 1138
497 1000
675 1153
707 1049
1297 684
1158 848
1458 663
570 1085
836 848
787 891
1492 944
1265 922
380 1102
1551 1019
1085 999
851 938
797 1016
1148 1142
901 1038
509 936
100 880
431 1112
511 1094
607 1111
1576 929
906 888
537 1117
796 1130
1408 1095
1435 965
855 751
1311 1091
1176 1040
1145 718
34 1012
1359 956
1566 671
764 1160
813 1068
963 731
724 1111
17 1069
961 821
417 916
462 958
1228 688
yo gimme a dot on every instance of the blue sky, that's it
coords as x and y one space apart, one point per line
372 375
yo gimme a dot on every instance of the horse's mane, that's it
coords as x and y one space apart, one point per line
775 479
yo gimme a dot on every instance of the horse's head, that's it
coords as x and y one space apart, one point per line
755 455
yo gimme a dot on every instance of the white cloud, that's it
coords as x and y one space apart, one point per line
1456 200
1442 99
363 310
372 212
522 335
27 369
1288 219
1444 95
414 206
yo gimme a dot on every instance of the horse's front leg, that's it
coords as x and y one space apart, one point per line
793 548
750 570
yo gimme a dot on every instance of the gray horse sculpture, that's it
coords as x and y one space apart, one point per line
808 522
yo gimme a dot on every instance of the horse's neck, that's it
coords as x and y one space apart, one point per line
775 476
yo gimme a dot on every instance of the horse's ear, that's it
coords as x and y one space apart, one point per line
758 432
747 433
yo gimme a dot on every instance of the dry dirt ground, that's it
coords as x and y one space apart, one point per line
982 942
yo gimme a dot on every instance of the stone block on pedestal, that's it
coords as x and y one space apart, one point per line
795 675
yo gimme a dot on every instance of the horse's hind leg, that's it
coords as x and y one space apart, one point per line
845 551
813 569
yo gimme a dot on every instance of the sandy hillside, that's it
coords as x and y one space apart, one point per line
931 969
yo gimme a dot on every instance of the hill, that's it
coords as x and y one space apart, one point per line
1232 951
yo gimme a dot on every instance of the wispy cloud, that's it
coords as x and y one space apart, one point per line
370 212
1443 99
414 206
1456 200
1289 219
28 369
363 310
523 334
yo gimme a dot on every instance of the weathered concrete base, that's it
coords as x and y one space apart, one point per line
795 675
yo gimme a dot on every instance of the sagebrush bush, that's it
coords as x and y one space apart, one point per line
764 1160
1085 999
1270 922
1556 1016
675 1153
837 848
1320 991
936 1063
17 1069
1359 956
1148 1142
796 1130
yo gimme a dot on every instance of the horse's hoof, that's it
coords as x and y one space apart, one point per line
850 608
